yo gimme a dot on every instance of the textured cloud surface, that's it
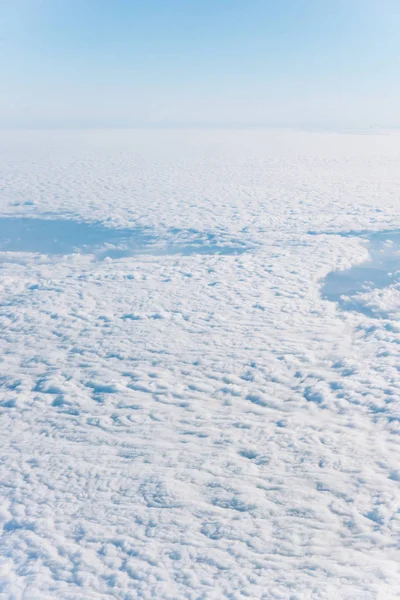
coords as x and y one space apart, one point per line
197 422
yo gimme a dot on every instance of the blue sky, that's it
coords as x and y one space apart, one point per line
220 62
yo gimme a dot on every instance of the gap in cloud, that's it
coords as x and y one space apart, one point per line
64 236
380 271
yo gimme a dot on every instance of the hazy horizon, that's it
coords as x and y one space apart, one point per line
300 63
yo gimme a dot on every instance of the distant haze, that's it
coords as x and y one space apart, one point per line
121 63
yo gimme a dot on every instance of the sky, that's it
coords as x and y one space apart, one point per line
106 63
